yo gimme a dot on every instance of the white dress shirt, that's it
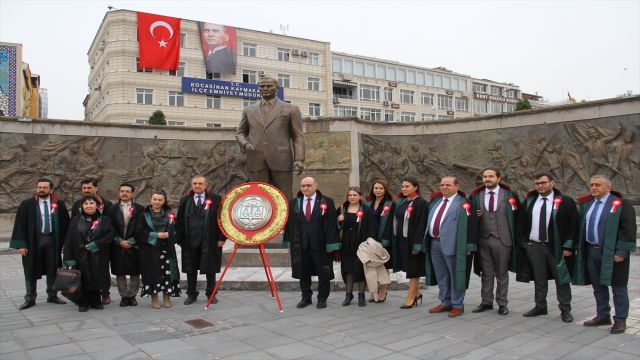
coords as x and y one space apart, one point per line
304 203
42 219
487 196
435 214
535 216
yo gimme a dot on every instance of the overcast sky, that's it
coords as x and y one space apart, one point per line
588 48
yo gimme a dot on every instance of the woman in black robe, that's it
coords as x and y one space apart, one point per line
88 239
354 223
381 202
408 229
158 261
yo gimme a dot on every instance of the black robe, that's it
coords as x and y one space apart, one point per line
91 262
211 255
384 233
26 234
414 264
124 261
562 230
151 248
351 240
329 236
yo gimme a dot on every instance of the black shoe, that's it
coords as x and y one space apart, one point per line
347 299
56 300
503 310
535 312
321 304
133 301
304 303
482 308
83 308
619 326
566 316
597 321
97 306
124 302
27 304
361 300
190 300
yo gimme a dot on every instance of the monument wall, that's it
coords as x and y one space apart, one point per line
572 142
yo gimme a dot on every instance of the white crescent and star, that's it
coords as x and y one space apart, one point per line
163 24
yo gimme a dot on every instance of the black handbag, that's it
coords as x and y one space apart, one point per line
67 280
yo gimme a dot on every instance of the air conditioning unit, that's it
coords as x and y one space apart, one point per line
386 103
261 73
336 100
303 53
347 77
295 52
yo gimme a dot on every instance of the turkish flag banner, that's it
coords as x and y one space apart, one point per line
158 41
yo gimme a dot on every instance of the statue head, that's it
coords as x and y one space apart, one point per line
268 87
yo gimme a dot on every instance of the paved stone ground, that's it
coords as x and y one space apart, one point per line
247 325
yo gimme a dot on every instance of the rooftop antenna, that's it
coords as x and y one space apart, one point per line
284 28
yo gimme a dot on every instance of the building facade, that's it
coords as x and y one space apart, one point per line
320 82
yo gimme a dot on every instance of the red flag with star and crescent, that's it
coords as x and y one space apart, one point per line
158 41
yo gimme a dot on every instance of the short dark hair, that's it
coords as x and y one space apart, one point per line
543 173
163 194
45 180
128 185
90 197
492 168
92 181
413 181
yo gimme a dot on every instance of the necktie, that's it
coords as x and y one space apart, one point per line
307 210
47 227
199 202
491 208
436 223
542 225
266 107
593 227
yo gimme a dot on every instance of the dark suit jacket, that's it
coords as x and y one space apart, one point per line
273 137
222 61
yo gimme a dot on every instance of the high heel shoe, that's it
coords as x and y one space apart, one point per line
347 299
415 303
383 299
419 297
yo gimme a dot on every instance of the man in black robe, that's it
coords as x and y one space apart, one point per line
89 187
124 250
38 235
199 237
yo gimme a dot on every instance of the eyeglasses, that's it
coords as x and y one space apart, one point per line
541 183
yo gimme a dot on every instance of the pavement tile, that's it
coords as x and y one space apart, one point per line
10 346
164 346
430 347
18 355
585 352
363 351
258 355
103 344
227 348
410 342
54 352
294 351
476 354
40 341
148 336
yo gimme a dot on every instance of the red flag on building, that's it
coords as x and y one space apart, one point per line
158 41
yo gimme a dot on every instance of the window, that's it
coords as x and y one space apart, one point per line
249 49
406 116
283 54
428 117
249 77
388 116
313 59
345 111
249 102
479 87
428 80
176 123
141 122
213 102
144 96
358 69
496 107
444 117
402 75
388 94
176 98
462 104
391 73
337 65
313 84
411 76
370 70
370 93
212 125
381 72
139 69
496 90
406 96
511 108
512 93
179 72
314 109
445 102
284 81
370 114
446 82
211 76
427 99
479 106
183 40
347 66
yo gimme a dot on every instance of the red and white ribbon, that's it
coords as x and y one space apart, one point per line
359 214
512 202
615 203
54 207
172 218
324 208
385 210
409 211
467 207
556 203
95 224
207 203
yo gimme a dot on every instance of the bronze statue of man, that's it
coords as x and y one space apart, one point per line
270 132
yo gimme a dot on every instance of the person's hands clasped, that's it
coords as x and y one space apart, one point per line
23 251
298 167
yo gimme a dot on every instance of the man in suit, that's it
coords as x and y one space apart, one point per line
38 234
495 206
312 239
547 231
89 187
607 235
270 132
124 250
219 57
448 239
199 237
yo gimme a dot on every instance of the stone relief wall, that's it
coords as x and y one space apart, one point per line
571 152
